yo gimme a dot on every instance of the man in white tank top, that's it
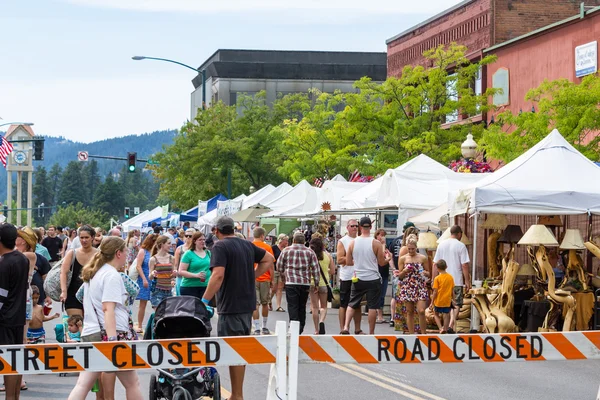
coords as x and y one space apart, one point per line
346 274
366 255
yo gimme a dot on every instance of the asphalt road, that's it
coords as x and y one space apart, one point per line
525 380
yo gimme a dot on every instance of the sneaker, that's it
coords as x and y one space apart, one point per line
392 324
265 331
451 331
257 332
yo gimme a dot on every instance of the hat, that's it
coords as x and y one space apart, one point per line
224 222
407 225
29 236
365 221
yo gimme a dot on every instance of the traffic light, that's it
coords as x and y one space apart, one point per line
38 148
126 212
131 160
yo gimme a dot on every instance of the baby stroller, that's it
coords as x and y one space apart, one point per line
179 318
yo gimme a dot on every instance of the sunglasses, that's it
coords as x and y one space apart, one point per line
188 236
353 226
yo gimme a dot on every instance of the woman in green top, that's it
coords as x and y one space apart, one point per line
195 268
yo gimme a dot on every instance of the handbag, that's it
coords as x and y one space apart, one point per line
329 291
132 271
52 281
130 334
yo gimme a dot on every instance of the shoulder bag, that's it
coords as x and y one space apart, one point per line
329 291
52 281
132 271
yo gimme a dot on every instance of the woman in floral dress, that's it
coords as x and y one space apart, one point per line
413 271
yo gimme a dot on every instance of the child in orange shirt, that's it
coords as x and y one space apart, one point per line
441 301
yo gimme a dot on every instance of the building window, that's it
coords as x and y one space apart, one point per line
501 80
451 95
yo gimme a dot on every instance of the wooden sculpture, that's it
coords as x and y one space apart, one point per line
506 299
575 266
555 296
494 319
492 255
592 248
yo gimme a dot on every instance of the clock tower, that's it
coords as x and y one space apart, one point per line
21 162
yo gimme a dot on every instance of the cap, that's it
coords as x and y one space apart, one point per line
224 222
407 225
365 221
29 236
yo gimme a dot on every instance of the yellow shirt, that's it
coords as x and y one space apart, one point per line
444 283
324 264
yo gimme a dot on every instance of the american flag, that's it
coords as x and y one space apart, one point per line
319 182
5 149
354 177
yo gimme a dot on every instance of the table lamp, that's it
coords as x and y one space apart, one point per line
427 241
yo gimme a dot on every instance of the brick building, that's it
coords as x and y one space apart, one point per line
476 24
566 49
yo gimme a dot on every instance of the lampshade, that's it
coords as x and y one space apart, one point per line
445 235
512 234
550 220
527 270
495 221
465 240
572 240
427 241
538 235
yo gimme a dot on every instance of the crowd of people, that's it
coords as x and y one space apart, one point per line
103 273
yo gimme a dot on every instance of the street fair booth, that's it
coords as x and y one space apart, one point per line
135 222
533 224
207 206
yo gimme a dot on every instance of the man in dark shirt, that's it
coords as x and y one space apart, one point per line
232 280
53 243
14 269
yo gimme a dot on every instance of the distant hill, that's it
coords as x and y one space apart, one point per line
60 150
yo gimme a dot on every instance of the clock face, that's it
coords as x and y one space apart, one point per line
20 157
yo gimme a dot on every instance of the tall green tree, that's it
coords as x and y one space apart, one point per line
55 178
91 178
42 194
72 189
110 198
570 107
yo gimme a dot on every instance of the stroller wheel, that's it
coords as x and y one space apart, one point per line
216 387
153 395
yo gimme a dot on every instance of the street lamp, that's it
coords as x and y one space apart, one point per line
139 58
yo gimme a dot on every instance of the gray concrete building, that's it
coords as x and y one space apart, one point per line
229 73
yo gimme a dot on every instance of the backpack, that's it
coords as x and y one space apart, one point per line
52 281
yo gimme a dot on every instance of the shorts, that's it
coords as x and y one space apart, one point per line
345 289
371 288
158 295
277 279
234 324
36 336
263 293
322 289
442 310
458 296
11 334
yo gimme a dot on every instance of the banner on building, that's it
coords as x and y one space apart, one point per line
586 59
228 207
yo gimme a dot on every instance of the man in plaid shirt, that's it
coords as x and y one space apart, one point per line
298 264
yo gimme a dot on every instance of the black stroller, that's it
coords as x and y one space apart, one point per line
179 318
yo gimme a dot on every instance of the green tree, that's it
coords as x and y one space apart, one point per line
55 177
567 106
41 194
91 178
73 213
109 197
72 190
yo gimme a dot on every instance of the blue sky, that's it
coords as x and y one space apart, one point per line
66 64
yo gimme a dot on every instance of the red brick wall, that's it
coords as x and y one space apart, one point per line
469 25
514 18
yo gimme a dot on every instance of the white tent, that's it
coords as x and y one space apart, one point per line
338 178
207 220
550 178
257 196
435 219
135 222
300 200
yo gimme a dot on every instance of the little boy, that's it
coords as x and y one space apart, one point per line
36 332
75 323
441 301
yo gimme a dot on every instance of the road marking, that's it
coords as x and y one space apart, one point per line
395 382
376 382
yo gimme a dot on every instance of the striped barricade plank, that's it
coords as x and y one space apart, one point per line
522 347
116 356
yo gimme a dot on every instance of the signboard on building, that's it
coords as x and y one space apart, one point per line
228 207
586 59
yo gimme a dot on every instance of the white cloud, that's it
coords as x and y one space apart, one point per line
338 6
87 110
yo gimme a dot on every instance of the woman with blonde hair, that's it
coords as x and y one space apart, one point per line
413 271
161 271
106 317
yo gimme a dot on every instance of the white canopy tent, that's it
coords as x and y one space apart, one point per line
255 197
551 178
301 199
435 219
338 178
